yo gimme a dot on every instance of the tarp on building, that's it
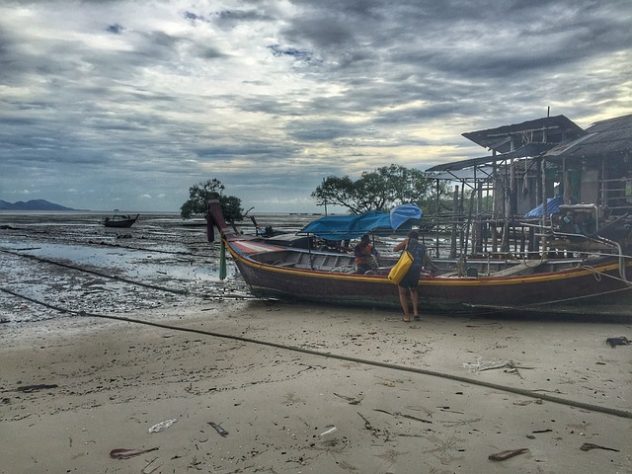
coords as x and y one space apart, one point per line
552 207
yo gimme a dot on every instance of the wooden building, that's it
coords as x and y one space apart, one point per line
596 169
551 163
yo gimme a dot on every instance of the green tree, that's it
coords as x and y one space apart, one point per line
377 190
201 193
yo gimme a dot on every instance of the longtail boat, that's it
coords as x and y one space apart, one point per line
120 221
593 284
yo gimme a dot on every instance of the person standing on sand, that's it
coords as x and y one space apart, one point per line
408 286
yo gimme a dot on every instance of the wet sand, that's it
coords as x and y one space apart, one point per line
74 388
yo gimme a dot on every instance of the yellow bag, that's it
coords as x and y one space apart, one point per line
398 272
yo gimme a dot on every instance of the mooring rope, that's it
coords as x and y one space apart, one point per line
457 378
573 298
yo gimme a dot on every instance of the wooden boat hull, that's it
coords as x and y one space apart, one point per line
577 287
120 223
554 286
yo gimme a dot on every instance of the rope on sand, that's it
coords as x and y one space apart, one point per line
329 355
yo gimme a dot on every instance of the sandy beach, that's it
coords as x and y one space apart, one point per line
242 394
290 412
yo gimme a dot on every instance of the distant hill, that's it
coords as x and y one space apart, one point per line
33 205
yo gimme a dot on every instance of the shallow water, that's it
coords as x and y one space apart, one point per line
127 262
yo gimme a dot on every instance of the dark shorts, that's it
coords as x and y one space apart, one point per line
411 279
362 268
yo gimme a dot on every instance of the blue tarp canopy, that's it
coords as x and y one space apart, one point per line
552 207
354 226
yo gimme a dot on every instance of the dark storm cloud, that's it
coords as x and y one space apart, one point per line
193 16
418 114
237 16
14 60
9 120
526 53
323 130
44 58
115 29
303 55
325 31
434 36
254 149
282 105
228 18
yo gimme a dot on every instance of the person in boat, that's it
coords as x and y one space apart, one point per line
408 287
365 255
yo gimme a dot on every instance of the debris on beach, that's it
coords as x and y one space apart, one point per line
522 403
330 429
481 365
221 431
148 469
367 423
36 387
510 453
163 425
398 414
351 400
123 453
589 446
618 341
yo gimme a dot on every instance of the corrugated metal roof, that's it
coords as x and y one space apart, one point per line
548 129
467 174
612 137
530 149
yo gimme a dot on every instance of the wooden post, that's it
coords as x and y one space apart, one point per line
438 197
604 184
476 187
504 245
222 262
438 212
455 201
478 244
544 207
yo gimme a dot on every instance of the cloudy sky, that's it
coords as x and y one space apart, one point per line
125 104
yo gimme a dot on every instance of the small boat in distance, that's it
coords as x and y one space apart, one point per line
120 221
